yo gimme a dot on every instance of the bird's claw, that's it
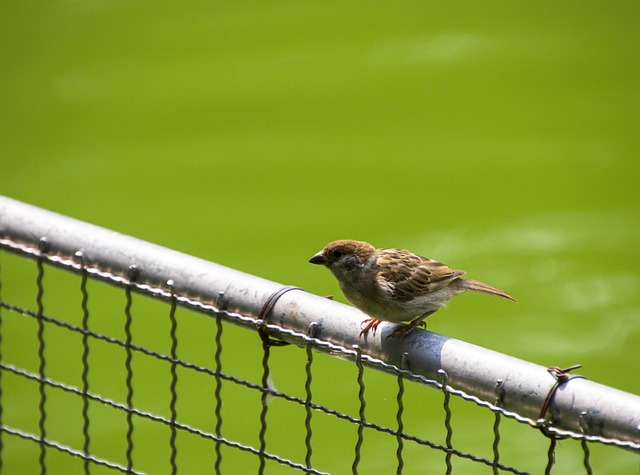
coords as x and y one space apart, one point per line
371 324
406 329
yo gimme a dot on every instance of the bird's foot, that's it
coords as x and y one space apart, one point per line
403 330
371 324
406 329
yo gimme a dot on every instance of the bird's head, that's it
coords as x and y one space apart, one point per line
344 256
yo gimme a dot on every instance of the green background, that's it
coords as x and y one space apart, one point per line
498 137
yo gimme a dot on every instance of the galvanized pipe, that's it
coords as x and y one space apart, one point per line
578 405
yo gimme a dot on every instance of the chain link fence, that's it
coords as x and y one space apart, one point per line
156 372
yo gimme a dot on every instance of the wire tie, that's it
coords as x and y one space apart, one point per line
500 393
44 246
585 421
221 301
313 330
562 377
264 313
404 361
133 273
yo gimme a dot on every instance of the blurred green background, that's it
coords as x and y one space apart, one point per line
498 137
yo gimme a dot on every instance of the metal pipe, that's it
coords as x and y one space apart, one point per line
578 405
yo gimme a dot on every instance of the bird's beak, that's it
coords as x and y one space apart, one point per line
319 258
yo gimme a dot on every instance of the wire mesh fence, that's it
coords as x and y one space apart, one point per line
151 376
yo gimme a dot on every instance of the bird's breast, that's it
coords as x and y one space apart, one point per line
378 302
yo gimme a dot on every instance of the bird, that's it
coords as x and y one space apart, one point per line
394 285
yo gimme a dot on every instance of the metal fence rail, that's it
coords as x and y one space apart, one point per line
544 398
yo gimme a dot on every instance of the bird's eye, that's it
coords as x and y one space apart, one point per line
337 254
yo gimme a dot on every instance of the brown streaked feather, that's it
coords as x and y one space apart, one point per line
412 275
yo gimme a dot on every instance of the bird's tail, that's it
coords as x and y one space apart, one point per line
476 286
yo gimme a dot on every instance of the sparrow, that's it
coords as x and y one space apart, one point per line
394 285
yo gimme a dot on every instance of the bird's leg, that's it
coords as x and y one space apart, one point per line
405 330
372 324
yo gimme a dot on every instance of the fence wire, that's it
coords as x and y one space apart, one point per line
37 419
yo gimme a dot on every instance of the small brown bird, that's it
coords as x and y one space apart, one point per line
393 284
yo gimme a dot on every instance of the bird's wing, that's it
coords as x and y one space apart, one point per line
409 276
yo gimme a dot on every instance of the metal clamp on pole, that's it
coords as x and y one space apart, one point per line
562 377
264 313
